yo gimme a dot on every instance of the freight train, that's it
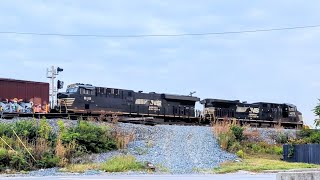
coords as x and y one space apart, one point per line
26 97
85 98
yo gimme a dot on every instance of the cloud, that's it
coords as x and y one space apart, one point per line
273 66
160 26
257 14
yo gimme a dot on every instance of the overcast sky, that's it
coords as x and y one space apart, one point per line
278 66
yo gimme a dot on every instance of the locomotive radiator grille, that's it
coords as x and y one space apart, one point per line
66 102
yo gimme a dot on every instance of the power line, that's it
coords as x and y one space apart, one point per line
159 35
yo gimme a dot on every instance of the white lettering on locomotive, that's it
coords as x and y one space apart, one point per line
149 102
154 108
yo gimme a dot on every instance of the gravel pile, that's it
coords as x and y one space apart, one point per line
178 149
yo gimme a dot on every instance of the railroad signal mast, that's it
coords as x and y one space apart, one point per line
52 73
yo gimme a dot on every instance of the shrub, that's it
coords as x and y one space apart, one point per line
256 148
3 155
237 132
49 149
315 138
5 129
4 158
18 161
262 147
92 138
44 129
226 140
25 129
122 164
39 147
278 150
48 161
304 133
236 146
306 136
240 154
282 138
62 128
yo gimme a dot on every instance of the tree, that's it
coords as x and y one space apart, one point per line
317 112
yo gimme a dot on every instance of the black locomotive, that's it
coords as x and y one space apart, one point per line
85 98
88 99
260 113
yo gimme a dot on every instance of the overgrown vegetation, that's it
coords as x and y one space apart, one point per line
31 144
307 136
258 155
236 139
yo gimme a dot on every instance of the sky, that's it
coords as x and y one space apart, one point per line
277 66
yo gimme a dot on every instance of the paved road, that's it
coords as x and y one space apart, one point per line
154 177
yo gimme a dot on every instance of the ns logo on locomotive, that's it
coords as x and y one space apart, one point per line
85 98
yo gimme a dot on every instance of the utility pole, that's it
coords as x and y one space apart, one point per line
52 74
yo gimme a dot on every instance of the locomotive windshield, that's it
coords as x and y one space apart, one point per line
72 90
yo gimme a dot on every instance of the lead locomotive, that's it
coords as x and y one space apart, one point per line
85 98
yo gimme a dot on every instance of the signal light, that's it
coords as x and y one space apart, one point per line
59 69
60 84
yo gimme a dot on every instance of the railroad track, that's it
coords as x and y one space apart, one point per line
147 120
124 119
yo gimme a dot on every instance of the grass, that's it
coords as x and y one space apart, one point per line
80 168
122 164
258 164
116 164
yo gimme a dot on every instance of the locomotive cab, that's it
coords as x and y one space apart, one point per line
66 100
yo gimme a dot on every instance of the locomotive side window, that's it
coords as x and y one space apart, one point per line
116 91
109 91
87 91
82 91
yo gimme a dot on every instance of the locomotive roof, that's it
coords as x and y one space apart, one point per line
238 102
181 97
166 96
219 100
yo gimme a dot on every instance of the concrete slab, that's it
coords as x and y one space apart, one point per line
306 175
